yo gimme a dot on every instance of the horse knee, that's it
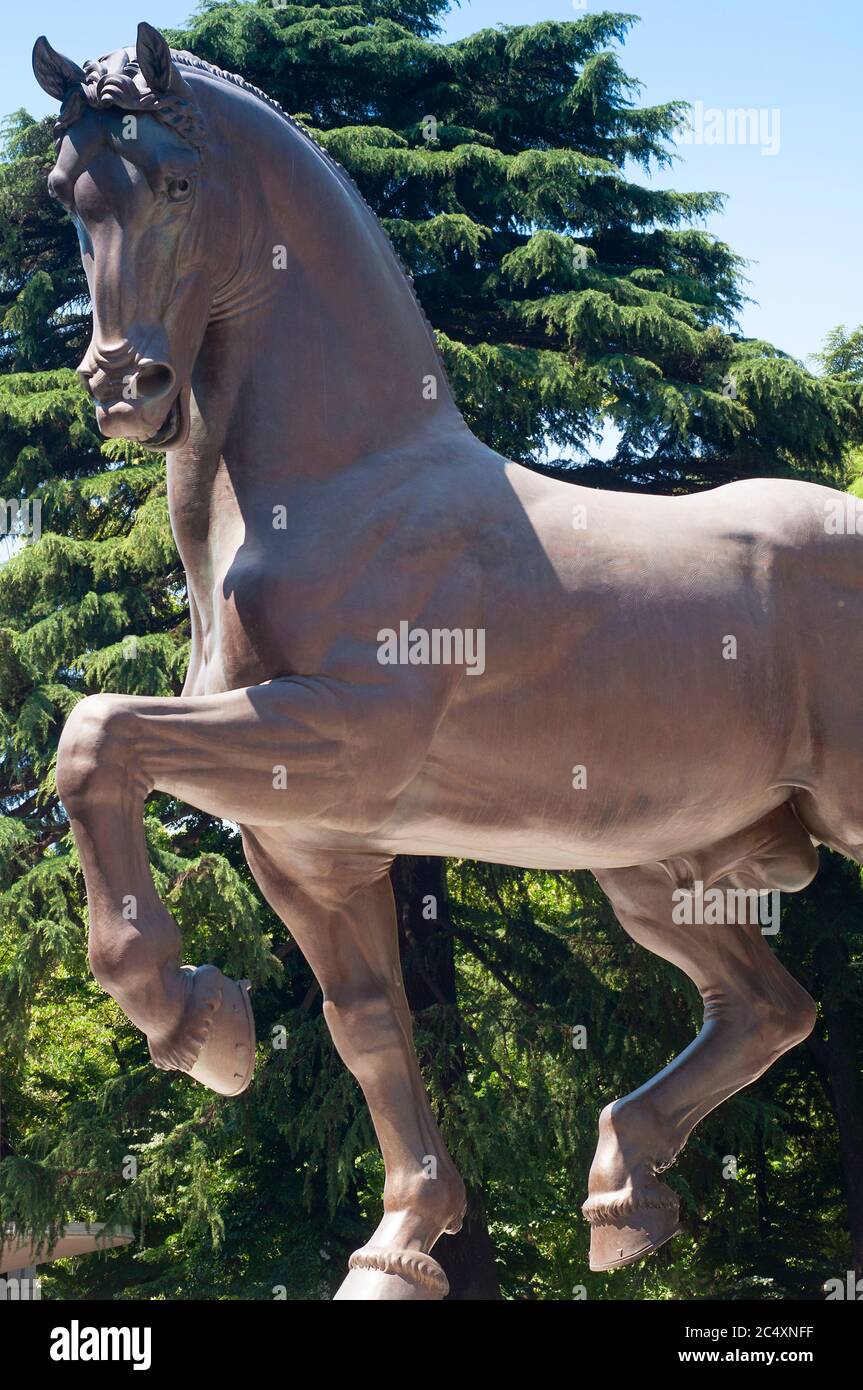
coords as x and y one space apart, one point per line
359 1014
95 748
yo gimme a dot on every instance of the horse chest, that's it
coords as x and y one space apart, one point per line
249 641
257 624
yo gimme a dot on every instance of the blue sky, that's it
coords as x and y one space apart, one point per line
797 215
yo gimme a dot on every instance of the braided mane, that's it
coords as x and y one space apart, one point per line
184 59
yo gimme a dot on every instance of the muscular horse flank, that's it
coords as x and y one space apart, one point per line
264 335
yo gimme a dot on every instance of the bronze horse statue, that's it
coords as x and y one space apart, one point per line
668 693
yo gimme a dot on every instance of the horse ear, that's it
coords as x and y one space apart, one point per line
154 57
54 73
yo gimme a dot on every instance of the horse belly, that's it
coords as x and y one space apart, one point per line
632 748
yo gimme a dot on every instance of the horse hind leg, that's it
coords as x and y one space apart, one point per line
754 1011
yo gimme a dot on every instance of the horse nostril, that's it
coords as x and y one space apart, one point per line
153 379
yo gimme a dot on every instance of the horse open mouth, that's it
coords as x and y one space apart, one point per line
172 429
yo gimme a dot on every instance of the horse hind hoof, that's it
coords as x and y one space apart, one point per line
628 1225
226 1061
623 1239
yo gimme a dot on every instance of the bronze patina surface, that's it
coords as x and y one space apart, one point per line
402 642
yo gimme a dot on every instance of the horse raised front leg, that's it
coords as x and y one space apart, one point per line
218 753
753 1012
340 910
197 1021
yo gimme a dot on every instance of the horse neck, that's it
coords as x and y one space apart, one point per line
317 355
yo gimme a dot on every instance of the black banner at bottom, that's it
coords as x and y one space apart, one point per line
82 1339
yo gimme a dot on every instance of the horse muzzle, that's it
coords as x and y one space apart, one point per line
137 397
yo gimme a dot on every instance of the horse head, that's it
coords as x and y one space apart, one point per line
130 146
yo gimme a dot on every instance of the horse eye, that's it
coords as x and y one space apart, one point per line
178 190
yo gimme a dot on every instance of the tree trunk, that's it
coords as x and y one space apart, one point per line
428 963
835 1053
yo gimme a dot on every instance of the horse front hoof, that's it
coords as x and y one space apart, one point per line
393 1276
622 1232
226 1061
215 1040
